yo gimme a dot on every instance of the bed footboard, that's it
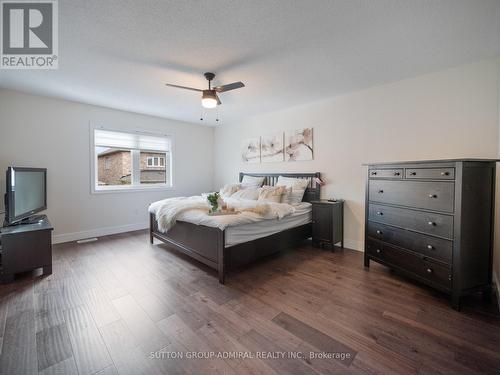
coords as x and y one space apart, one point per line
205 244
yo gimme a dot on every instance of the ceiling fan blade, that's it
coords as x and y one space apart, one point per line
230 86
183 87
218 100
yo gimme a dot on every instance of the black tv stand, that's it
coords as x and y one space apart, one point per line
25 248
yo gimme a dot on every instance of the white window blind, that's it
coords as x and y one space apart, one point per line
131 141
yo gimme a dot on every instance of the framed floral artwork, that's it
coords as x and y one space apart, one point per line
299 144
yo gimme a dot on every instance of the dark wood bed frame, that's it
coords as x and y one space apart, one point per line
207 244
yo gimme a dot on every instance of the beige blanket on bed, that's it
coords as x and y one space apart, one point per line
195 210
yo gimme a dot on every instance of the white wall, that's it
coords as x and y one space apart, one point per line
42 132
448 114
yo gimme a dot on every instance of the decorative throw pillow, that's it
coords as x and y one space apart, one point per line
296 188
271 193
251 181
249 193
229 189
287 193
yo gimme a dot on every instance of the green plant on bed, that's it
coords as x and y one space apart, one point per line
213 199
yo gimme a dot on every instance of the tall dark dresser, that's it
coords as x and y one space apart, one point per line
433 221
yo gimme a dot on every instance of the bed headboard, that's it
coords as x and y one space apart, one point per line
312 192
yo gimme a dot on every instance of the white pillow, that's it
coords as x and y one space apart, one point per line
251 181
293 196
296 188
248 193
271 193
229 189
297 183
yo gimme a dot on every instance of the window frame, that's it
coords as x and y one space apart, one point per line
135 186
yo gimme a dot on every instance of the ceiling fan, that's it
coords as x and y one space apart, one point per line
209 98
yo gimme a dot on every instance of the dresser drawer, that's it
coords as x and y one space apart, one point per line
426 245
430 195
386 173
434 273
424 222
431 173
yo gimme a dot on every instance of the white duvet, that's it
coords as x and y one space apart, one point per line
195 210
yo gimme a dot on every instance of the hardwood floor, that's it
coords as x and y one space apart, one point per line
121 305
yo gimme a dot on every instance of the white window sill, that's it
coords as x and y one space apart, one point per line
130 189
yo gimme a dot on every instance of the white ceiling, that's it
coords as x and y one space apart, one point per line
119 53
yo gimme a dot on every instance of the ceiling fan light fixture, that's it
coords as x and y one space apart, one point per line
209 99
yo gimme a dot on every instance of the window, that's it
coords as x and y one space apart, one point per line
107 163
131 160
155 161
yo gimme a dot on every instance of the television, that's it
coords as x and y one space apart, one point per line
26 194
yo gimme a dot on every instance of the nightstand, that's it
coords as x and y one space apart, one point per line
327 223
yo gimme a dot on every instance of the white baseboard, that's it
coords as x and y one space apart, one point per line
496 282
354 244
98 232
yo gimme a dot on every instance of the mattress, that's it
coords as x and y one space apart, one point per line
249 232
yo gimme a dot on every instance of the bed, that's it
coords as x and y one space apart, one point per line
234 247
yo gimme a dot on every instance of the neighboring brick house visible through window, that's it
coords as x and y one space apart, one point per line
131 160
115 167
153 168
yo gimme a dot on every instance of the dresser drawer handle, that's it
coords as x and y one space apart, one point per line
431 223
429 270
445 173
374 173
413 173
380 213
380 191
433 196
430 247
379 232
396 173
378 251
